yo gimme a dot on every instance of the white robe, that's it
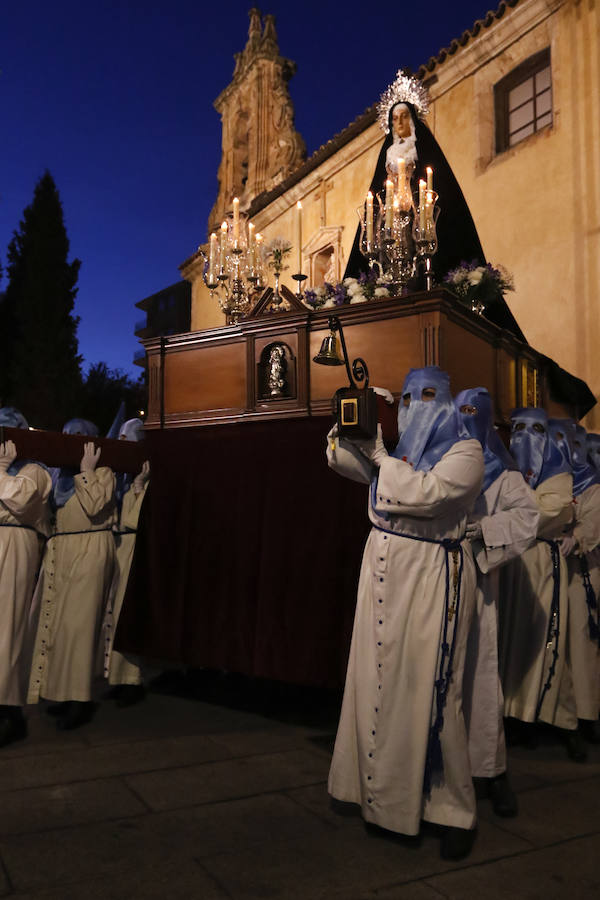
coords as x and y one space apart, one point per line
380 752
526 592
583 654
123 669
23 502
508 515
73 589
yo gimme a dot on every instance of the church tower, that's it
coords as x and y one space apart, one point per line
260 145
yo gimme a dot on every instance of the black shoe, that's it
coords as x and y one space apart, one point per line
504 799
576 749
129 694
590 730
12 728
77 713
457 843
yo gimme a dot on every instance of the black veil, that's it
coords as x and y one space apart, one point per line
457 236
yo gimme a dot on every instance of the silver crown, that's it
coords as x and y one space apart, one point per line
405 89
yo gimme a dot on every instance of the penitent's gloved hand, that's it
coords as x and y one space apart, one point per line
474 531
140 480
8 454
568 544
90 457
373 449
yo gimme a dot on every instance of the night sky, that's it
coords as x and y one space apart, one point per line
115 97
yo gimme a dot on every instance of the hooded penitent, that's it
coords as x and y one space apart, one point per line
427 428
63 486
12 418
571 440
480 425
536 455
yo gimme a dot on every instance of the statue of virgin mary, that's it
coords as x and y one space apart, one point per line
401 113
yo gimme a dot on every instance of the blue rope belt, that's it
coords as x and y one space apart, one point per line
434 761
553 622
591 601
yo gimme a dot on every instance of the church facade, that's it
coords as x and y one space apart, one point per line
515 105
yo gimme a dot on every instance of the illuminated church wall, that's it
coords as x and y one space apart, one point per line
536 205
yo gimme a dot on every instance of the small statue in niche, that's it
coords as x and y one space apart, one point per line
277 366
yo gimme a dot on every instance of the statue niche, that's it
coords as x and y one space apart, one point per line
276 373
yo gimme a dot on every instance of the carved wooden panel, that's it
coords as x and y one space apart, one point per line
206 378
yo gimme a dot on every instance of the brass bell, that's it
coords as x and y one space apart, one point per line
329 354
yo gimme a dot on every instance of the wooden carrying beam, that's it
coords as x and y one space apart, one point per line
56 449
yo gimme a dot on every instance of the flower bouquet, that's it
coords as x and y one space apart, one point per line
350 290
478 286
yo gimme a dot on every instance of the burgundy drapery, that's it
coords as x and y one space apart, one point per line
248 553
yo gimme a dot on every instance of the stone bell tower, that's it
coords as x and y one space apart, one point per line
260 145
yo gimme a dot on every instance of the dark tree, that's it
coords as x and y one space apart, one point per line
41 371
103 391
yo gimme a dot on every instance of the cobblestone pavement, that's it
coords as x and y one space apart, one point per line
218 792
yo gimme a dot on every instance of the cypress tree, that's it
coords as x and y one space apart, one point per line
42 369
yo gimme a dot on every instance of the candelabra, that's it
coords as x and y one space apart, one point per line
234 268
398 233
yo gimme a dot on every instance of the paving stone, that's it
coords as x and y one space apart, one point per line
186 881
161 716
315 798
83 763
42 809
256 822
348 864
550 764
555 813
69 855
142 843
269 739
414 890
567 870
230 778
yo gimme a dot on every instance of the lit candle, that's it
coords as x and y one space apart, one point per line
236 220
422 188
259 240
401 172
369 220
222 245
429 207
212 259
299 236
251 245
429 171
389 209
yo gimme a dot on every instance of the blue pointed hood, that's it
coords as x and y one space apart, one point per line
571 439
480 425
427 428
536 455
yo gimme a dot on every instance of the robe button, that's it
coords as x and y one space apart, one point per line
370 756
